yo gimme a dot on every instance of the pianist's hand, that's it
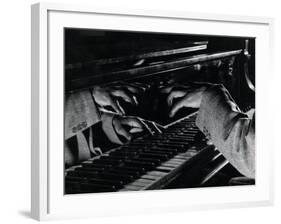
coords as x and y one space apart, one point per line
110 95
121 129
180 96
129 126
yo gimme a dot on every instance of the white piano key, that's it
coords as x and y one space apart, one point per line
168 168
169 164
178 160
157 173
131 188
146 176
175 162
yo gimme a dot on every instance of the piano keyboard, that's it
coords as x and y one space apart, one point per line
149 162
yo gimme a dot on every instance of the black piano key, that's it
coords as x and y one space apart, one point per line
183 133
168 148
90 187
142 169
97 169
157 154
135 147
179 142
93 186
133 174
96 164
162 151
162 138
169 145
75 179
155 161
123 152
110 158
136 143
106 161
128 151
90 169
138 170
81 173
140 163
116 183
154 155
183 138
123 157
116 176
190 131
136 153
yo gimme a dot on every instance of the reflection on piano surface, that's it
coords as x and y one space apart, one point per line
178 155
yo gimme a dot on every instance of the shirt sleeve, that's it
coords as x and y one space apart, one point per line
108 128
80 113
231 131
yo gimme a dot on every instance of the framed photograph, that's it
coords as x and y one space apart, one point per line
134 110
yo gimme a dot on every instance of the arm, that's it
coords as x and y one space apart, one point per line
80 114
231 131
86 129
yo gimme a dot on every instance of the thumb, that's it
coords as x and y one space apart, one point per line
177 106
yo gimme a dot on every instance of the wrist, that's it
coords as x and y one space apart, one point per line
108 126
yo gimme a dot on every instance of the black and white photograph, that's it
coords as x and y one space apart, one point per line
151 111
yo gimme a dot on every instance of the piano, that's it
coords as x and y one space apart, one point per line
178 156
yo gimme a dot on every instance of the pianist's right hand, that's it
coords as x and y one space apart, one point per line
188 95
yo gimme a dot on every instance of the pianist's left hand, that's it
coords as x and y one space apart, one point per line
111 95
121 129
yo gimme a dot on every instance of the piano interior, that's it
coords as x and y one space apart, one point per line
179 156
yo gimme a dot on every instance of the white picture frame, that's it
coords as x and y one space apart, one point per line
48 201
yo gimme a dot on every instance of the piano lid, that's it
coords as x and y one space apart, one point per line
103 47
95 56
135 52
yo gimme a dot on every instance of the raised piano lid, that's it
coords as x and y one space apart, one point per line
88 46
111 74
131 53
99 53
